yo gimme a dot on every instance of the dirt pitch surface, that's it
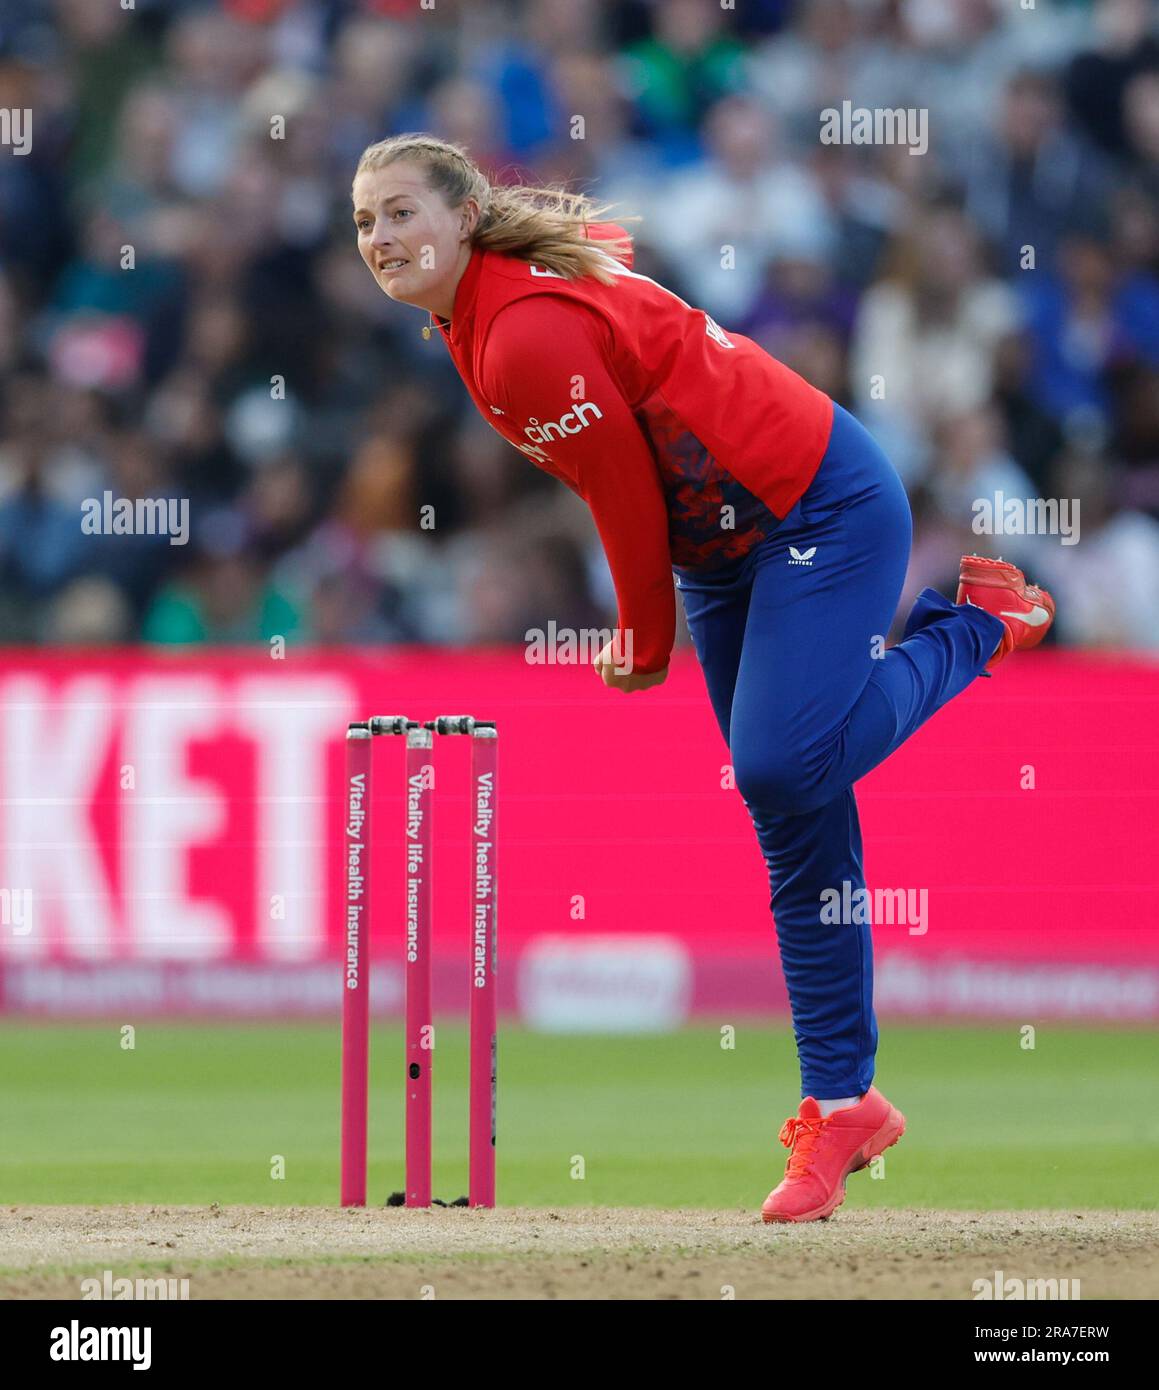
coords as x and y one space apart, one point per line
277 1253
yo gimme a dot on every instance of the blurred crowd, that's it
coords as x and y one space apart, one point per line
183 311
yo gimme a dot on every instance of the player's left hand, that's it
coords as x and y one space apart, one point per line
613 675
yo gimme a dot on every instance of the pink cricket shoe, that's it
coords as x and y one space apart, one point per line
823 1152
1001 588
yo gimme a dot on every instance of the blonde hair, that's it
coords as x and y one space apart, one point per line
545 225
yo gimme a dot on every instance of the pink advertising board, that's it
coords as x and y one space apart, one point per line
171 841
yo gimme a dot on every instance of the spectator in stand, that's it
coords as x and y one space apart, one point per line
1096 79
1034 176
678 74
726 216
224 597
1105 586
927 334
1085 323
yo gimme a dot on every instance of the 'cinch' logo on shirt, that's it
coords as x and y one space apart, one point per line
571 423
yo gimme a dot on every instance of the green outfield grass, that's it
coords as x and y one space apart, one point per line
197 1114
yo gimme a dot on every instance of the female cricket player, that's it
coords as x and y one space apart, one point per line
788 533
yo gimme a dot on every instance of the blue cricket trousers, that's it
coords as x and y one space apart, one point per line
791 642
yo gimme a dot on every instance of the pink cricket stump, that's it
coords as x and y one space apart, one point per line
420 1036
484 959
356 978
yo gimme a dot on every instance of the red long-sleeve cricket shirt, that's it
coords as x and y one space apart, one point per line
689 444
